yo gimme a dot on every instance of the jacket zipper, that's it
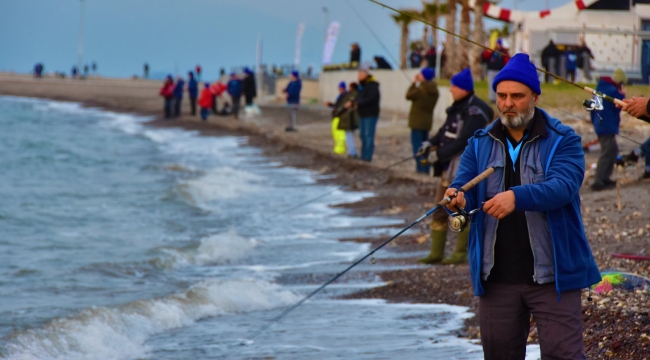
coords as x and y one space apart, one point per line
530 240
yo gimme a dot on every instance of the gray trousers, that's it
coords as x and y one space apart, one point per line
293 110
491 74
504 315
607 159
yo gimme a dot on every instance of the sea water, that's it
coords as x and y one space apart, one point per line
123 241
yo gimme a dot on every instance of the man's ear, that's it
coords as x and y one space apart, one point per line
536 97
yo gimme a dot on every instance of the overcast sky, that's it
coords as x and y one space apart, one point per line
120 35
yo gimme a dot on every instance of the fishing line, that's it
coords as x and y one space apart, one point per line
348 184
444 202
381 43
585 88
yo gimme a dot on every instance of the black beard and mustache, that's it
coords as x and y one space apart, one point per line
520 120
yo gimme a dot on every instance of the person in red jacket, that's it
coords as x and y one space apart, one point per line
217 89
206 101
198 72
167 92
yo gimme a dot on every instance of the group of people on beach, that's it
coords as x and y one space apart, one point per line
236 87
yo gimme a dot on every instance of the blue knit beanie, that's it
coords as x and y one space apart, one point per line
427 73
519 69
295 73
342 85
463 80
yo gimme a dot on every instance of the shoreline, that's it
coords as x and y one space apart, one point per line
401 194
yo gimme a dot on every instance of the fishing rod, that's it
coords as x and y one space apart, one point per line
595 102
348 184
588 121
444 202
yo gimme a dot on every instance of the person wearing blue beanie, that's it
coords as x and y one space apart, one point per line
519 69
342 85
427 73
529 254
463 80
292 92
465 116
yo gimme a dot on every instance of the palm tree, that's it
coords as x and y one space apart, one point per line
450 43
465 24
431 13
404 19
479 37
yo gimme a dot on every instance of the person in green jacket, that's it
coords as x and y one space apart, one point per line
423 95
349 119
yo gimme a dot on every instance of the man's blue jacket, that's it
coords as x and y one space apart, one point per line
552 171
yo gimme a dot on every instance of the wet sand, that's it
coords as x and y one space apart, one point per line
617 324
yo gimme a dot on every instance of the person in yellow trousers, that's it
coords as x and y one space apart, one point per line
344 121
466 115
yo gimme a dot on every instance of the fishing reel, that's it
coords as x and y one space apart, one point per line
593 104
459 220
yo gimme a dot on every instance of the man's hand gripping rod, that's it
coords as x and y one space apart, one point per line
444 202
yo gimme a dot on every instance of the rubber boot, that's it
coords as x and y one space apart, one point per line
438 240
459 256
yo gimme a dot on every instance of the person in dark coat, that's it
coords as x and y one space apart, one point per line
249 86
235 90
606 124
416 58
167 92
423 94
550 59
193 91
584 59
430 56
367 104
349 119
178 96
467 114
292 92
355 55
382 63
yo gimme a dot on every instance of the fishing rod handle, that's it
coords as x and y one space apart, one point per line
606 97
482 176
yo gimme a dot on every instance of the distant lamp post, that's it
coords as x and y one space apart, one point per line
81 39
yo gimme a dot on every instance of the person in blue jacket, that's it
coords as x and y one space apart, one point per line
193 91
528 252
292 92
178 96
606 124
235 88
571 63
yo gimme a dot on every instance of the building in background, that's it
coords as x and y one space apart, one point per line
616 31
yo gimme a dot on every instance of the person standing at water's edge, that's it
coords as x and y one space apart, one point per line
528 249
235 90
292 92
423 94
205 102
178 96
193 91
249 86
465 116
367 104
167 92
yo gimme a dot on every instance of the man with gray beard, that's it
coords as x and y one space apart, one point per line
528 252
